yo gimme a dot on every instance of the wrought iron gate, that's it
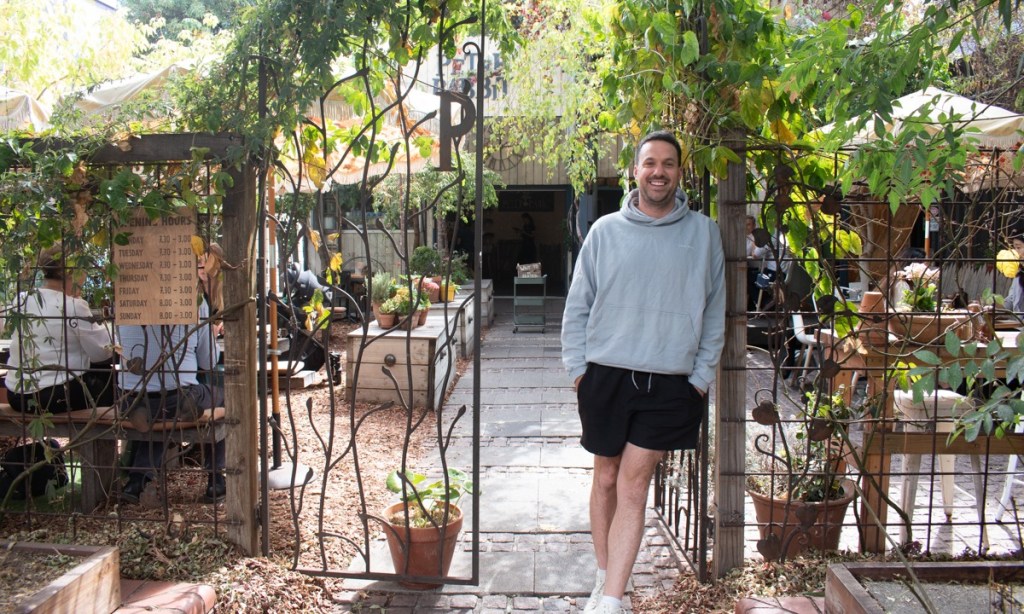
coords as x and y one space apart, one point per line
350 206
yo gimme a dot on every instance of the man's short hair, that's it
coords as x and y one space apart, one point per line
659 135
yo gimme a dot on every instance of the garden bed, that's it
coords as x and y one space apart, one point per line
874 588
56 578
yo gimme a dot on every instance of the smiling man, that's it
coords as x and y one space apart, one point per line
642 334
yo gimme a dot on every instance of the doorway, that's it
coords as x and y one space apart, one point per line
529 224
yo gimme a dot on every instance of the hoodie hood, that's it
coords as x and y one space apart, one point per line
631 211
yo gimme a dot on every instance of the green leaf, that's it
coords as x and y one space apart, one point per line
690 49
952 343
954 377
927 357
972 429
665 25
992 348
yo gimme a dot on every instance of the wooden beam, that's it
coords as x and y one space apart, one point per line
240 360
730 398
928 443
153 147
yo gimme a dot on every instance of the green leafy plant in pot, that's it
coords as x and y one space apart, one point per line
423 528
798 487
425 261
382 287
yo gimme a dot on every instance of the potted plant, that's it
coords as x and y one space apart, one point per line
800 493
423 527
917 317
425 261
386 315
455 272
382 287
424 308
405 307
430 289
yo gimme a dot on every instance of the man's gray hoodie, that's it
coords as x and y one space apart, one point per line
648 295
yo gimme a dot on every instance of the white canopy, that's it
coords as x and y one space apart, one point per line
932 108
107 98
19 111
998 133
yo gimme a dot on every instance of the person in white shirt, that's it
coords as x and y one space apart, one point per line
160 380
54 342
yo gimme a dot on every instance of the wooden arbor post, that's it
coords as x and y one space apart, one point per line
240 360
730 408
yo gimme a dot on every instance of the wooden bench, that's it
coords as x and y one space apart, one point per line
95 433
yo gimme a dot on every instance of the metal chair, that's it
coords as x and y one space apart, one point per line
809 340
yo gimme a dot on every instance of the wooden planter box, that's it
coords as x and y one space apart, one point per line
486 302
952 586
430 349
463 308
94 585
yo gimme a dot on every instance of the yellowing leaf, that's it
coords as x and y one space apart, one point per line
1008 263
336 262
198 246
314 237
783 132
99 239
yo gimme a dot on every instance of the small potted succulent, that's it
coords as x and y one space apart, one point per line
423 527
386 314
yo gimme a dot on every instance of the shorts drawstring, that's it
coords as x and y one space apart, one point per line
650 377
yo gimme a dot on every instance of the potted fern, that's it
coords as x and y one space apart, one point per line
423 527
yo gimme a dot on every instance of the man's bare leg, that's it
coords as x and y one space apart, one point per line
603 504
624 533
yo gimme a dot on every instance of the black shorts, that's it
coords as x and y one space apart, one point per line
648 410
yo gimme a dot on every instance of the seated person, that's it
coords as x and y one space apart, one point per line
54 344
159 380
1015 296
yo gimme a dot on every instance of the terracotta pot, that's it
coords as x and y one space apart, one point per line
423 316
426 554
781 518
872 330
407 322
931 328
386 320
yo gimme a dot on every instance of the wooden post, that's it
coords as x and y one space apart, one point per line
730 406
240 360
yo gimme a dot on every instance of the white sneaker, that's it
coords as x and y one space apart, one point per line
595 598
604 608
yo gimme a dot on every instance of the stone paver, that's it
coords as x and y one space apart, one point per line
536 552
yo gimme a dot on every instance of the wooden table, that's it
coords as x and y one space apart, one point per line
881 442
